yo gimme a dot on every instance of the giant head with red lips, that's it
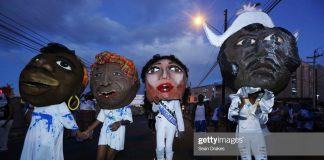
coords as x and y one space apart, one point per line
165 78
114 80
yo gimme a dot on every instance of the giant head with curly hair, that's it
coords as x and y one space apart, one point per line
114 80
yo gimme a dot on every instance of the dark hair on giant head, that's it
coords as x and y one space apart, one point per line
156 58
55 48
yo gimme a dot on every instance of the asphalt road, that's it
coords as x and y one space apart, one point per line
139 145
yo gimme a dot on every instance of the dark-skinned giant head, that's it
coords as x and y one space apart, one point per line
52 77
255 53
114 80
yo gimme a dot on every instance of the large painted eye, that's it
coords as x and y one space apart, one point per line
246 42
153 69
64 65
175 69
274 38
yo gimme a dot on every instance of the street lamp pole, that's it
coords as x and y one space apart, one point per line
223 82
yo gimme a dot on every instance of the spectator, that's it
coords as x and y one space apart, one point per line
200 114
6 120
305 118
86 114
276 118
215 118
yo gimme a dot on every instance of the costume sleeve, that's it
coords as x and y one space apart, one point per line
66 118
127 114
178 113
234 108
101 116
266 104
155 107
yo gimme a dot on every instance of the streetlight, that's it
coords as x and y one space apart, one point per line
198 20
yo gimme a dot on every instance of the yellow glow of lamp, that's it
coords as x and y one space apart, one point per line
198 20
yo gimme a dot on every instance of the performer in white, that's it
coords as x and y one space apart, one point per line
165 130
44 139
49 80
165 79
254 54
114 84
250 107
113 126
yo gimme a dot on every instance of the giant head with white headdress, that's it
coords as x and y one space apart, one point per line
253 52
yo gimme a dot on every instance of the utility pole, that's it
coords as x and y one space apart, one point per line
223 82
314 57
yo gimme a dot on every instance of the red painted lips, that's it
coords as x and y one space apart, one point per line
165 87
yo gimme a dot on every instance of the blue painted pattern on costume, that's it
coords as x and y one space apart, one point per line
168 116
44 116
69 115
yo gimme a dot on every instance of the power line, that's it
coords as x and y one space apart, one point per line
210 70
25 27
8 24
19 34
15 41
274 4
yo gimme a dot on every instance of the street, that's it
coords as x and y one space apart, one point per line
139 145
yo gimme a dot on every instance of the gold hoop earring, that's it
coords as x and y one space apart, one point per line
78 103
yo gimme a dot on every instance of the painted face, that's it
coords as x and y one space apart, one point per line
111 87
51 78
259 57
165 80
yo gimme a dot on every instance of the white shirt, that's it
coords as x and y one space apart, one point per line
215 114
255 116
87 104
44 139
173 106
200 113
114 139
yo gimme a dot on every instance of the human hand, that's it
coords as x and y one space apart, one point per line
83 135
115 126
242 102
181 134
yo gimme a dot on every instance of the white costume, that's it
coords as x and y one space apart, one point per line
250 118
114 139
165 130
44 139
87 104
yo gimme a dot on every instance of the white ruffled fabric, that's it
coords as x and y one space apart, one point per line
265 102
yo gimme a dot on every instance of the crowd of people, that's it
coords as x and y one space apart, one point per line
284 117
